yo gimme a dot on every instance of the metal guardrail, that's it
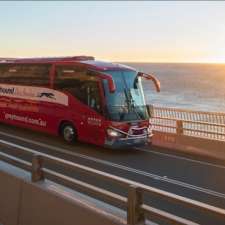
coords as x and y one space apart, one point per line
137 210
191 123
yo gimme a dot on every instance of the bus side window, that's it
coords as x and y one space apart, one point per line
93 95
80 84
37 74
9 73
29 75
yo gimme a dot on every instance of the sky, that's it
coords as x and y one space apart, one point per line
116 31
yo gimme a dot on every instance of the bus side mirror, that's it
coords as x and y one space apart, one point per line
152 78
110 81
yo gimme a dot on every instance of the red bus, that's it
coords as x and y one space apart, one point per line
78 98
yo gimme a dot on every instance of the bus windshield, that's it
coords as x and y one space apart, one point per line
127 103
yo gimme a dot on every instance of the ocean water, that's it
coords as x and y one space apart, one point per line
184 85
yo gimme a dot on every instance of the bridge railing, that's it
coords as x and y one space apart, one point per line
137 210
191 123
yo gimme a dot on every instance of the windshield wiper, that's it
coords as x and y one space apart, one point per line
131 103
129 99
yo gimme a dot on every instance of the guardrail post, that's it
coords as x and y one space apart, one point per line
37 173
179 127
135 216
151 110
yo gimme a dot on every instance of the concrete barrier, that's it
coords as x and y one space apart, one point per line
47 203
10 194
42 202
192 132
192 145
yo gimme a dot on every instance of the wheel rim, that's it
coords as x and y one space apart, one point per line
68 133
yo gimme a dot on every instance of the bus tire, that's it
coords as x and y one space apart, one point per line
68 132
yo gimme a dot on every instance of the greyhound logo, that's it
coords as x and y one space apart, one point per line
46 94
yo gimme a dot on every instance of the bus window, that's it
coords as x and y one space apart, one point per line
9 73
80 84
93 96
29 75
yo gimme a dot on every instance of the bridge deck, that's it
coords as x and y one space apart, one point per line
199 179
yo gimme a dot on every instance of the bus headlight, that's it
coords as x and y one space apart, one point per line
113 133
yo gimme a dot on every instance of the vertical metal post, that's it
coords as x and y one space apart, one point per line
135 216
151 111
37 173
179 124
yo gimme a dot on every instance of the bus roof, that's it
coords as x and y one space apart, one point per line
46 59
103 66
88 61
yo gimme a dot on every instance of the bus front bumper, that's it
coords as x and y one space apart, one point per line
128 142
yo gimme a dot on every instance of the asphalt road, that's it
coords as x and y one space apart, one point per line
197 178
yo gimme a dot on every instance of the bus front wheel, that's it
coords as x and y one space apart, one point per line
68 132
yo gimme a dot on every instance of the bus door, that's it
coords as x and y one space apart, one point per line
94 120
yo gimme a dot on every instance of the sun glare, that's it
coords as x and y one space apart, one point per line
217 60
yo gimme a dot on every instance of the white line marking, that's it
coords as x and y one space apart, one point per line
139 149
180 157
118 166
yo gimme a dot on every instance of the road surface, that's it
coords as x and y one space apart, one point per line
199 179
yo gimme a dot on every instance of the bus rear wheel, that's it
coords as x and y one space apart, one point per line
68 132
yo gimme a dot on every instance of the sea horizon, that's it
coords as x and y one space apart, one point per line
193 86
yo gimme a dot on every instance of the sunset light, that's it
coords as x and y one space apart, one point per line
117 31
112 112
